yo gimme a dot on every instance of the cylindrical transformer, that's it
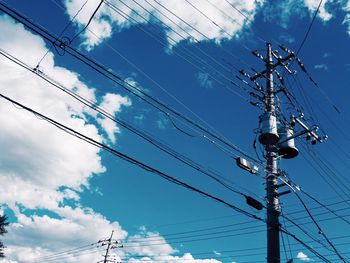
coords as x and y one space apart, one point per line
287 147
268 129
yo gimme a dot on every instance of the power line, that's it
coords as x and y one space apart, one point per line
63 31
88 249
149 138
130 159
142 95
213 22
150 169
325 206
88 23
180 54
195 29
320 230
309 28
321 172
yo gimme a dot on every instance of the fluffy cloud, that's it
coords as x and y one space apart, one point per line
36 236
112 103
186 258
204 80
321 67
177 17
303 257
282 11
347 16
312 5
42 167
158 244
43 170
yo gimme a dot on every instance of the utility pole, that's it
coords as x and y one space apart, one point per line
111 244
273 208
276 134
108 247
270 139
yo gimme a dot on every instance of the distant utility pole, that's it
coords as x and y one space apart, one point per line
277 136
108 247
111 244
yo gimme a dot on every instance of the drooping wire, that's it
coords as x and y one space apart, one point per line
151 169
70 251
193 238
325 206
213 22
288 241
240 87
320 231
331 172
183 50
284 246
62 32
154 102
305 245
88 23
151 139
131 159
70 256
197 31
309 28
299 226
321 171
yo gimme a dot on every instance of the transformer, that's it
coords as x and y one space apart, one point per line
287 148
268 129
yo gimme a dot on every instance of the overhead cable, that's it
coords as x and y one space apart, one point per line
149 138
141 94
150 169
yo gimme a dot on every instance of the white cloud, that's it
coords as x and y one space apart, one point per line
112 103
346 20
321 67
287 38
38 159
156 245
186 258
41 167
303 257
230 21
138 119
282 12
34 236
162 122
323 12
204 80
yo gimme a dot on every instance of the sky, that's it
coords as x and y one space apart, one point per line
62 195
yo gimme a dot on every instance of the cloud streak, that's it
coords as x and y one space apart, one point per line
217 20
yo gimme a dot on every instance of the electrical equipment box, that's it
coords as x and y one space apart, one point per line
254 203
246 165
268 129
287 147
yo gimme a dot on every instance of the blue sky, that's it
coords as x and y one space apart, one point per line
61 193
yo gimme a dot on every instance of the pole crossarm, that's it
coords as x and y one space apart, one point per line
280 62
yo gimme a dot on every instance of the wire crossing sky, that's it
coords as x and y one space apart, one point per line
165 85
